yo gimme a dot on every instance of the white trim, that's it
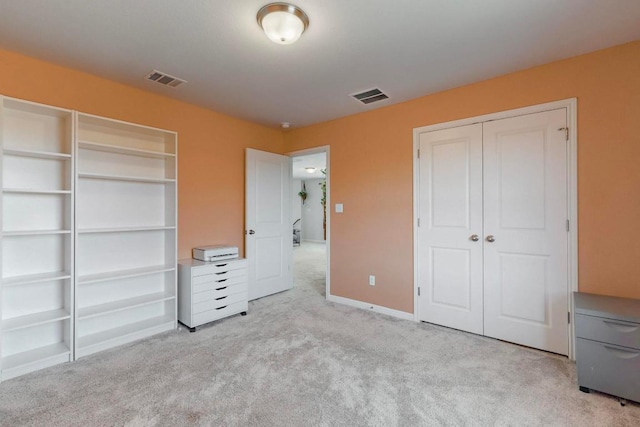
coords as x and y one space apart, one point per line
370 307
572 122
565 103
322 149
416 212
314 241
571 105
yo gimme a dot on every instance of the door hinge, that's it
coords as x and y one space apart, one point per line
568 317
566 133
418 153
418 222
568 228
418 290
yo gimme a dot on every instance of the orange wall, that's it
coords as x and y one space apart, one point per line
210 145
371 173
371 163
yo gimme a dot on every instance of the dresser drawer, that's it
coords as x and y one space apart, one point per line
609 331
214 304
219 284
215 294
216 277
608 368
219 267
220 312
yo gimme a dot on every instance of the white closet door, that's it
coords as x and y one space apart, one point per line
525 210
450 254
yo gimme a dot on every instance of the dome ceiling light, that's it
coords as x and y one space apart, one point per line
283 23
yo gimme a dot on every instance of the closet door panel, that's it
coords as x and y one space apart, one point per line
450 262
525 213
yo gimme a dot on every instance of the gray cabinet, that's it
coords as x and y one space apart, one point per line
608 344
209 291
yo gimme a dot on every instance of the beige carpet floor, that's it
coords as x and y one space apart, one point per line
297 360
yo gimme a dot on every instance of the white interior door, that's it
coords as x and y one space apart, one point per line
525 225
450 233
268 225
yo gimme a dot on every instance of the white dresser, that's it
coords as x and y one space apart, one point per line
209 291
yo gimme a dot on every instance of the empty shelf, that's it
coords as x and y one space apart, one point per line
34 232
125 304
123 150
29 320
125 229
125 178
35 355
123 274
35 278
36 154
121 332
34 191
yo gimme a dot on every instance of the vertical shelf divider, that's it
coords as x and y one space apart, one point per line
3 361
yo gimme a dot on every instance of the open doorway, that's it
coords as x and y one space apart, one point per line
310 219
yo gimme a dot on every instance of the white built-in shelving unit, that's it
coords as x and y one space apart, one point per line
89 234
37 286
126 240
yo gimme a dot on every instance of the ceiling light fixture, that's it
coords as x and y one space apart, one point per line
283 23
310 169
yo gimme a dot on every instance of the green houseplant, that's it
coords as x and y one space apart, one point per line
303 193
323 201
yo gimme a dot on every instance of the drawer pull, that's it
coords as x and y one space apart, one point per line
218 299
222 280
224 272
219 289
220 308
623 354
621 327
220 265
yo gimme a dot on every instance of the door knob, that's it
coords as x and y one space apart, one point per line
490 238
251 232
474 238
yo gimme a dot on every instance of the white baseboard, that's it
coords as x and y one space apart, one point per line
372 307
314 241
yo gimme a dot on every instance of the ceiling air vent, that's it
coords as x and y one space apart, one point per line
164 79
371 95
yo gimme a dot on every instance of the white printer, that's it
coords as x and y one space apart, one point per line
215 253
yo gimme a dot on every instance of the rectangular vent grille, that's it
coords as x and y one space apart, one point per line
369 96
164 79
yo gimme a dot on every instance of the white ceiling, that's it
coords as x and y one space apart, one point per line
317 161
407 48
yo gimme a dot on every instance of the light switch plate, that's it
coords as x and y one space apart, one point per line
339 208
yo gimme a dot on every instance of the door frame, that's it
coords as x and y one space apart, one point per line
571 105
322 149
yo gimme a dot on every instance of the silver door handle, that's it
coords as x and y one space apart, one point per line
251 232
474 238
490 238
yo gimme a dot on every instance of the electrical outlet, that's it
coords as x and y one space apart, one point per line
372 280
